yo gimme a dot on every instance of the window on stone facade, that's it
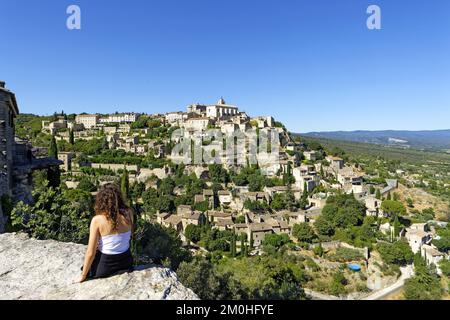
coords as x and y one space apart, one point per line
11 119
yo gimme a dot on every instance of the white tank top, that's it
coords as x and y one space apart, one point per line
115 243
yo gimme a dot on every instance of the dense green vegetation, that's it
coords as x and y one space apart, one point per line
29 126
424 285
381 162
397 253
443 243
266 277
341 212
57 214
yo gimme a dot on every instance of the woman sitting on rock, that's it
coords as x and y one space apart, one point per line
111 228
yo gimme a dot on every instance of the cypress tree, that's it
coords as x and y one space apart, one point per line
304 198
396 226
378 194
125 185
71 137
53 150
233 245
243 247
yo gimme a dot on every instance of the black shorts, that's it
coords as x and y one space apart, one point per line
105 265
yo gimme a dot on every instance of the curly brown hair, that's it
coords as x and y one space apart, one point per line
109 202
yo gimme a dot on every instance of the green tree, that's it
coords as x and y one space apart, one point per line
218 173
318 250
443 243
322 173
304 199
304 233
193 233
278 202
53 150
256 182
340 211
125 185
275 241
71 137
424 285
159 244
150 198
62 216
444 264
338 283
165 204
410 203
393 208
256 206
201 276
85 184
167 186
233 245
398 253
378 194
324 226
137 190
202 206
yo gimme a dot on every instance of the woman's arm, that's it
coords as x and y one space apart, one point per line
94 234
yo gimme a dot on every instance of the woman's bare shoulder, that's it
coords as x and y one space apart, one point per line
98 219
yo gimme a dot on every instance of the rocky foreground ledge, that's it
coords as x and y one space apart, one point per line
33 269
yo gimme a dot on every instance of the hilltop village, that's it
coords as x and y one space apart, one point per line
348 236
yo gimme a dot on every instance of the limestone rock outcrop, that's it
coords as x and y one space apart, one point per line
33 269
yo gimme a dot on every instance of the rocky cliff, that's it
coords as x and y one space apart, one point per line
32 269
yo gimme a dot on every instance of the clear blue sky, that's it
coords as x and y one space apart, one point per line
312 64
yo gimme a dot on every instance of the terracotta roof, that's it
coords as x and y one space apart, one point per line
173 219
219 214
224 222
256 227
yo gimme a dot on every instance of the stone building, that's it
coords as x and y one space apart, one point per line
87 120
120 118
8 111
66 158
16 158
220 110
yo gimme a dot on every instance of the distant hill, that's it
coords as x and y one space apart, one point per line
434 140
